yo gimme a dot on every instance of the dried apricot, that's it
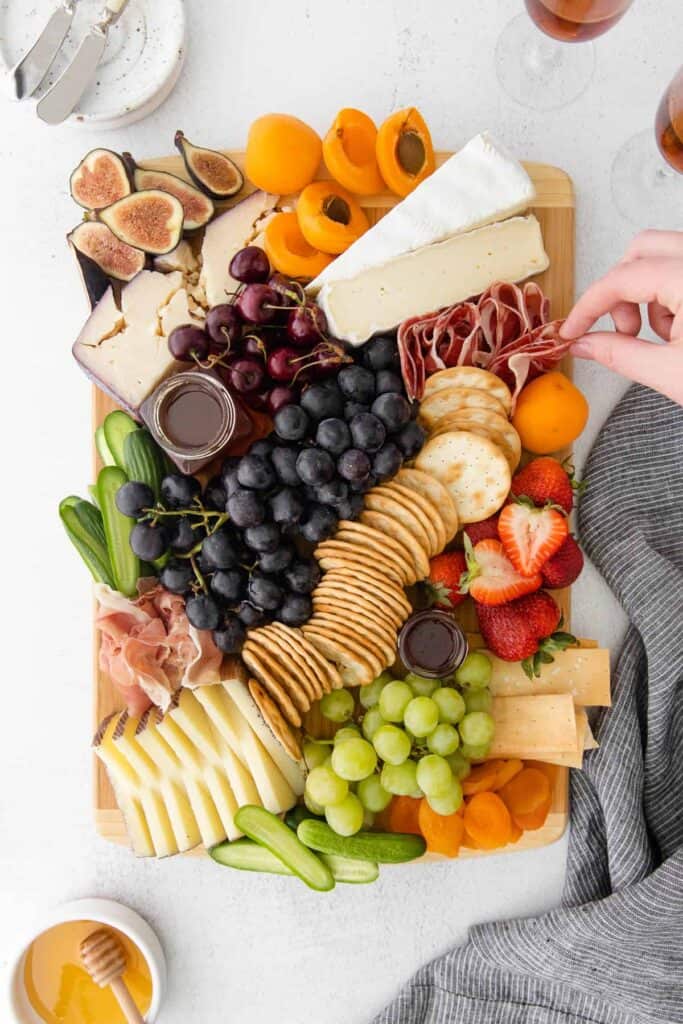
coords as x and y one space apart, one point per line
288 250
329 217
551 412
283 154
349 149
405 153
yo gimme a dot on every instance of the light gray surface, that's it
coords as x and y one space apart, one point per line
249 948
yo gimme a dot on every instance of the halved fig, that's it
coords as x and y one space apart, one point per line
151 220
99 180
211 171
198 208
115 258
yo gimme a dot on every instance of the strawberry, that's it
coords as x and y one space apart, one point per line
544 481
491 577
524 630
531 535
487 529
564 567
443 582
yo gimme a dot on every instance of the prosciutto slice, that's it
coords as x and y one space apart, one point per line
506 331
148 647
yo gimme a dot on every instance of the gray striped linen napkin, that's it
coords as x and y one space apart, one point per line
613 953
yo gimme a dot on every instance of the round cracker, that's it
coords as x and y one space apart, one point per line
358 553
329 675
317 684
470 377
349 640
288 676
383 543
272 685
371 633
448 400
392 527
430 516
382 501
497 428
275 720
354 669
292 666
366 604
472 468
371 575
434 491
375 589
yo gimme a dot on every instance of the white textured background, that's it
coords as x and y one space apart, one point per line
249 948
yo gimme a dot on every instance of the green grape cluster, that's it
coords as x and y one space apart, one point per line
413 737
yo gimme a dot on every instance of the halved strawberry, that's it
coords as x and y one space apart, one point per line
443 582
545 481
564 567
531 535
491 577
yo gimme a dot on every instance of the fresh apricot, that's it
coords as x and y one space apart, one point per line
288 250
405 153
349 150
551 412
283 154
329 217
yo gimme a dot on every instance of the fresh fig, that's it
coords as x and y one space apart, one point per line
151 220
99 180
211 171
115 258
198 208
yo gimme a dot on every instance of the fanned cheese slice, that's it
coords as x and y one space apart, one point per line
531 727
582 672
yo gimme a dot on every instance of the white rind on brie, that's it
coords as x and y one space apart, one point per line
381 298
480 184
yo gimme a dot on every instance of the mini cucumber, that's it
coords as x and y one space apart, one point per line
381 847
83 525
117 529
296 815
103 449
246 855
116 428
143 460
267 830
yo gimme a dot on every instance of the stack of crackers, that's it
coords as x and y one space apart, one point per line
472 447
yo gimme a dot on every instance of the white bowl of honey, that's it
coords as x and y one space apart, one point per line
48 984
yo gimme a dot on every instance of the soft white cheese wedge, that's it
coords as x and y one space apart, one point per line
432 278
480 184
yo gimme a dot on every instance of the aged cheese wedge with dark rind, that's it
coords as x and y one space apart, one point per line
151 220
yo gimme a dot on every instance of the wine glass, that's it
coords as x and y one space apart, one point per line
534 68
644 182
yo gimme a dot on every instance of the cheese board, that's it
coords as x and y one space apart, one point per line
555 209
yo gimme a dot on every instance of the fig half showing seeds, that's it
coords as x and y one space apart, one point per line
115 258
197 207
151 220
99 180
211 171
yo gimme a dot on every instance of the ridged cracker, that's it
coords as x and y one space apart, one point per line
470 377
473 469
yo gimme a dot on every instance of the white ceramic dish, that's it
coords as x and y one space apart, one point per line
14 1004
141 64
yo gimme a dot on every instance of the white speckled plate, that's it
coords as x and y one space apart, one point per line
141 64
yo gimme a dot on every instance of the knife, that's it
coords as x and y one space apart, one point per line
34 65
63 97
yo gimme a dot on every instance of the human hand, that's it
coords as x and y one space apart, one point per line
650 273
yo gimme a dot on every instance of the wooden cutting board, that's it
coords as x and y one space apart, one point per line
555 209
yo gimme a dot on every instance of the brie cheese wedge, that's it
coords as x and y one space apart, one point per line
480 184
381 298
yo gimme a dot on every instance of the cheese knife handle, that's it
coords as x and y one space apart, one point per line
115 7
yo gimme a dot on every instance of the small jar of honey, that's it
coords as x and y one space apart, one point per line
48 983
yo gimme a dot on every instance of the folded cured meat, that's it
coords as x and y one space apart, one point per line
149 649
506 331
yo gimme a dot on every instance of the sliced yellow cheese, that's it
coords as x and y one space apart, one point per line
531 726
126 786
582 672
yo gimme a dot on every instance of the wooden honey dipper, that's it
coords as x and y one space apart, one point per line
104 959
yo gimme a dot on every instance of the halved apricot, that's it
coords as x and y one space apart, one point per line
405 153
283 154
288 250
349 150
329 217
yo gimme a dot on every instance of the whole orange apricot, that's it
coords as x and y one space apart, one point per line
283 154
551 412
